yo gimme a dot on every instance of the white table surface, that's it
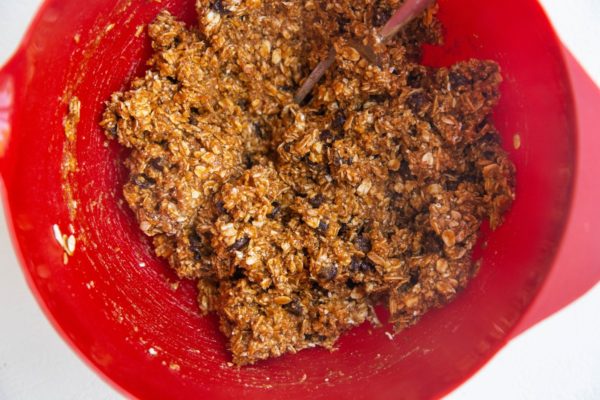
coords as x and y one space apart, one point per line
557 359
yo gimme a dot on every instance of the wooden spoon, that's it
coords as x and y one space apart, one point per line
407 11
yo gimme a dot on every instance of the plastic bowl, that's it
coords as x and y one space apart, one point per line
145 334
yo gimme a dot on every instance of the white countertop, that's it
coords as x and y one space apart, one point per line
557 359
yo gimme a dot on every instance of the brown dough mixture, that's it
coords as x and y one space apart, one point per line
297 219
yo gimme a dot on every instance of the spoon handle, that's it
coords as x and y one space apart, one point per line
407 11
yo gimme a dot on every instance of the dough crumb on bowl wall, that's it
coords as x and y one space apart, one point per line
133 323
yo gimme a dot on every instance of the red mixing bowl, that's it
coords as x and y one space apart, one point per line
144 333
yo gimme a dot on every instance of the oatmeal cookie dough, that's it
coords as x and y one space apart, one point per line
297 219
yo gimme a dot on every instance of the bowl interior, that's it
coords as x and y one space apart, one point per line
141 328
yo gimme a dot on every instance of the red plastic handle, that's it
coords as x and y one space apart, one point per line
7 92
576 268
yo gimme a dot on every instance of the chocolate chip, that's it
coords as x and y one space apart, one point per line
157 163
344 230
458 80
275 210
248 160
287 88
306 160
328 272
481 125
432 243
358 264
405 171
490 138
363 243
379 98
381 14
413 280
220 8
238 274
261 132
414 78
338 121
416 101
322 228
193 119
342 22
321 111
220 205
355 264
350 284
143 181
199 246
243 104
451 185
326 136
414 276
240 243
295 307
489 155
316 201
